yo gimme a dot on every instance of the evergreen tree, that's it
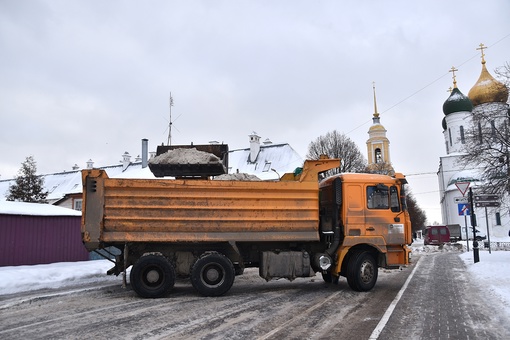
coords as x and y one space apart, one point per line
28 187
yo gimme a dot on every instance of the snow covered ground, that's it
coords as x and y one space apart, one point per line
492 273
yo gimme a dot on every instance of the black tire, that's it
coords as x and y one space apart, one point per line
212 274
152 276
327 277
362 271
238 270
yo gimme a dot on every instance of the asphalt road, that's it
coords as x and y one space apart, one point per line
253 309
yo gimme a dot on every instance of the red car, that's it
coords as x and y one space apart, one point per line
436 235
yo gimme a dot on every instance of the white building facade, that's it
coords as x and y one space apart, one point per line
454 176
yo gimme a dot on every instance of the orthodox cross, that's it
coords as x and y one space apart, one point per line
453 70
481 48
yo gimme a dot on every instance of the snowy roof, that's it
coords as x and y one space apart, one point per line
61 184
280 157
471 175
35 209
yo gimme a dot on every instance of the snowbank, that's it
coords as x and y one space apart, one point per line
17 279
492 273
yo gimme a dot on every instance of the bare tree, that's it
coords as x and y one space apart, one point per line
503 74
381 168
487 147
337 145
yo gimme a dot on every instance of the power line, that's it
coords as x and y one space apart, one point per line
429 84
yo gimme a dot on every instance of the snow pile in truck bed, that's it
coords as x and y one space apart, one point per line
237 177
185 156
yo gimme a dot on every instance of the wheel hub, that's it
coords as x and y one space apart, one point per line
367 272
152 276
212 275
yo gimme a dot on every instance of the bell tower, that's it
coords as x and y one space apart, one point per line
378 145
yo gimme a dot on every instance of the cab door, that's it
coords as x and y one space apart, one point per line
382 210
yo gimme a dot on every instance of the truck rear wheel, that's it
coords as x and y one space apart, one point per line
212 274
362 271
152 276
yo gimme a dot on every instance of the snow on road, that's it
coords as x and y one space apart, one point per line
492 273
16 279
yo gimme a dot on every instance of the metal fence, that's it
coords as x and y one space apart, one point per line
494 245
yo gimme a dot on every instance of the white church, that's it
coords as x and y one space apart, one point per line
454 177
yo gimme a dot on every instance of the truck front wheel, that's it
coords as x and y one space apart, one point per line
212 274
362 271
152 276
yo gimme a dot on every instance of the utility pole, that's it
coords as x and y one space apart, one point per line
476 253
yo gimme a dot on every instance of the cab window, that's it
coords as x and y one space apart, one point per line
378 197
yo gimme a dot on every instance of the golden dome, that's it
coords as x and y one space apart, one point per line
487 89
377 127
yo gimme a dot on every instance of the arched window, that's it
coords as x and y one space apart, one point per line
498 218
462 139
480 137
378 155
450 136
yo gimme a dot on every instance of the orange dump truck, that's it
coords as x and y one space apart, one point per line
346 225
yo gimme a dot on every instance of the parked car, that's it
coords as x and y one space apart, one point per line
479 237
436 235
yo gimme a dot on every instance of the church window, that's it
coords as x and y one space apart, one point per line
493 129
498 218
450 136
378 156
480 133
462 138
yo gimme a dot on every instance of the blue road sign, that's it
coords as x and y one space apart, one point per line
463 209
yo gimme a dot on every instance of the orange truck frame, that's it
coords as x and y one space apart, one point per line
210 230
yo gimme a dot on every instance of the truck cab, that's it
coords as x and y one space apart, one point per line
366 216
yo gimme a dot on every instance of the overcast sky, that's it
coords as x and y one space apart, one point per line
86 80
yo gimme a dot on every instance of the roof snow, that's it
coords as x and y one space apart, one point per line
35 209
61 184
280 157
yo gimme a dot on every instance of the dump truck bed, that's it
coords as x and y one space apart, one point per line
166 210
